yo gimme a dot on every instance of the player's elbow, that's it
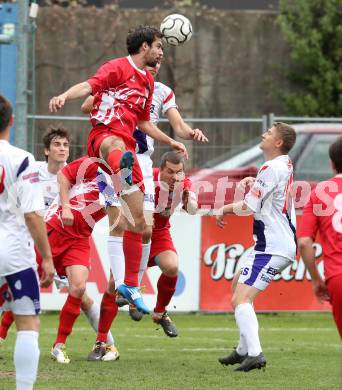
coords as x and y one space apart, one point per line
33 220
86 108
31 217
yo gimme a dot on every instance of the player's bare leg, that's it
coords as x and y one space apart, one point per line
168 263
77 277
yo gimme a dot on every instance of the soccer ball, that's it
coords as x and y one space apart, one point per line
176 29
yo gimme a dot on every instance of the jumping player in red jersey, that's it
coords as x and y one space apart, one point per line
123 92
70 223
172 188
323 215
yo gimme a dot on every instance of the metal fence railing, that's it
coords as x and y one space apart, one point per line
300 119
227 136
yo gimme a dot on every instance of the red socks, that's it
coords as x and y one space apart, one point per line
166 288
6 321
69 313
132 247
109 310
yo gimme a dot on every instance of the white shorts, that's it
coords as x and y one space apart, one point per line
259 269
108 196
19 292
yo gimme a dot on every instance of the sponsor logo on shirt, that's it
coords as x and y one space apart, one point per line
32 177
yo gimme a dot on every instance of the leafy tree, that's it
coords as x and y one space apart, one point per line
313 31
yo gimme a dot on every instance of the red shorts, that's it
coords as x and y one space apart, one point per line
66 251
334 285
99 133
161 242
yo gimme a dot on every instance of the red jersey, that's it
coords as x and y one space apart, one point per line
166 201
84 200
323 214
122 95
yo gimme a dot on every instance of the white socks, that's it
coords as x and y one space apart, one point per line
93 317
26 359
146 248
116 259
249 329
241 348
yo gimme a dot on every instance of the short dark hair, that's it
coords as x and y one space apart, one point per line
6 112
172 157
137 37
287 135
52 132
335 154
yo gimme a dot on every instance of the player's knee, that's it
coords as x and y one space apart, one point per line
147 234
238 299
86 303
234 301
116 231
139 225
171 271
117 225
24 322
78 290
111 143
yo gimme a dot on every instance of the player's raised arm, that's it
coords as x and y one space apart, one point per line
238 208
153 131
182 129
64 187
76 91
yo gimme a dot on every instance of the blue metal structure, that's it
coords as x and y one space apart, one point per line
8 54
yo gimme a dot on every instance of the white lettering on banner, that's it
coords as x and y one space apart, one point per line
225 260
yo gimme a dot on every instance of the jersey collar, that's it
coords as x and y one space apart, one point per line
129 58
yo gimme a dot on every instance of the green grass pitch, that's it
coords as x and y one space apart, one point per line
303 351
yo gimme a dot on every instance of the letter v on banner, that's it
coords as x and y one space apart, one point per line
148 289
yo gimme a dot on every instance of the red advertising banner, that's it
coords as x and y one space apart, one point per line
222 249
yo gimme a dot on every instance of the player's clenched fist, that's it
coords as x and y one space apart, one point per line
67 216
56 103
220 218
48 272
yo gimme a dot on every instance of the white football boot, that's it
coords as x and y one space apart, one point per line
59 354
